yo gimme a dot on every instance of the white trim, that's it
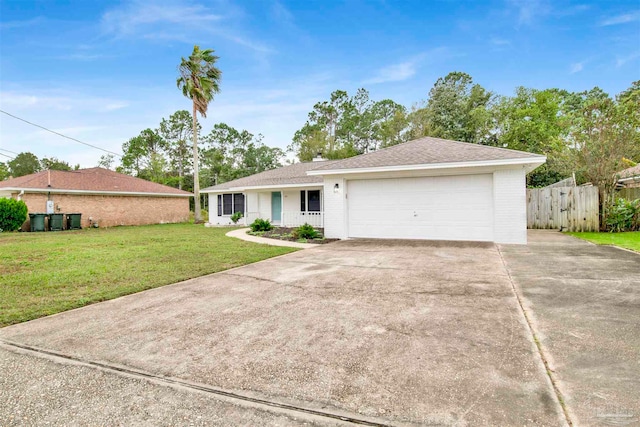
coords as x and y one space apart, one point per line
263 187
503 162
92 192
631 178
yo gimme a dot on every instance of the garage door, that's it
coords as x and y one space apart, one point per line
439 208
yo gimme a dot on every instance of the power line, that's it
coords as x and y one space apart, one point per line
59 134
9 151
6 155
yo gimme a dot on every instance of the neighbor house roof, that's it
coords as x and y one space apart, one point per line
89 181
291 175
630 173
430 151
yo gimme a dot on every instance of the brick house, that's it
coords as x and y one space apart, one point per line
102 196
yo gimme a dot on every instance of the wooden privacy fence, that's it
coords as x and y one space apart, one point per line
630 193
564 208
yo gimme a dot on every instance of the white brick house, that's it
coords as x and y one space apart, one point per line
428 188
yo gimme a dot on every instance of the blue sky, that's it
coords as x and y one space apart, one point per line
101 71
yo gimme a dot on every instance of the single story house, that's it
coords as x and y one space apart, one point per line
428 188
629 178
102 196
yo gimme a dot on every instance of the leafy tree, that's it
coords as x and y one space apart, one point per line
143 155
4 171
233 154
177 131
106 161
24 164
199 81
602 135
532 121
458 109
53 163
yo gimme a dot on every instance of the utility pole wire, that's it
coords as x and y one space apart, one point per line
6 155
9 151
59 134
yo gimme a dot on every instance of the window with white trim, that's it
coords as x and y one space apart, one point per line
230 203
310 201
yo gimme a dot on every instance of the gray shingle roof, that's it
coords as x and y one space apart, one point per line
287 175
427 150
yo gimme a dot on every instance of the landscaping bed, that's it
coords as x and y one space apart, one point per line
288 234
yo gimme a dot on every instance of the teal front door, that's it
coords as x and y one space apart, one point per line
276 206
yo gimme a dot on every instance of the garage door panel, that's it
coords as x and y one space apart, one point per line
443 208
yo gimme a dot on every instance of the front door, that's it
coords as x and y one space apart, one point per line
276 206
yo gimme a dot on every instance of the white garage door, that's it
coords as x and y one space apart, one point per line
438 208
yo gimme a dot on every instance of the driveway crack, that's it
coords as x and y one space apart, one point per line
536 340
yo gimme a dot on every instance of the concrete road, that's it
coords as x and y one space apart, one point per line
357 332
584 301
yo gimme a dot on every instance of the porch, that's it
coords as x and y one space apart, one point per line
289 218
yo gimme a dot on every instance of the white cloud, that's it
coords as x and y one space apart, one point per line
406 69
621 19
576 67
176 20
496 41
622 60
528 10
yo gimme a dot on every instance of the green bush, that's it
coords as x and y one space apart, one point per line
624 215
236 217
306 231
261 225
13 213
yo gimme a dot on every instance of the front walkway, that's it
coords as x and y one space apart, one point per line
242 235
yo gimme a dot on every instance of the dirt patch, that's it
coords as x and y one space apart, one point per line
286 233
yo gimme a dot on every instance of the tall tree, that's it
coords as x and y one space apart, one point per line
4 171
458 109
177 132
106 161
199 81
24 164
53 163
144 155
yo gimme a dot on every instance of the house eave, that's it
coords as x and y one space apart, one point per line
91 192
261 187
530 164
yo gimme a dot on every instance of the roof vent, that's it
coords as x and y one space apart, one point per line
318 157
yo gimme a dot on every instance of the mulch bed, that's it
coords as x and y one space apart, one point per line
285 233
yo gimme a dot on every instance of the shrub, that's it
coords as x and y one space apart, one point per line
13 213
305 231
624 215
261 225
236 217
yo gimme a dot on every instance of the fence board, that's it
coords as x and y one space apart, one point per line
564 208
629 193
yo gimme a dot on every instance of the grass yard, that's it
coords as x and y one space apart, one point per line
46 273
628 240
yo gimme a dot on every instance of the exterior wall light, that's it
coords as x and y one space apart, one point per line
336 188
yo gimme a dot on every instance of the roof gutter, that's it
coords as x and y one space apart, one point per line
532 161
91 192
262 187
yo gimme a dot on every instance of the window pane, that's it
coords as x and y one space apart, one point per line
314 200
219 204
303 196
238 203
227 204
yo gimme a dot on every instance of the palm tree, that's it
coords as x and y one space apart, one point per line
199 80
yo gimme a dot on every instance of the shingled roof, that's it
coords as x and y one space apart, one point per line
92 180
426 151
287 175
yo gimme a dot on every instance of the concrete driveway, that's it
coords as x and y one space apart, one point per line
353 333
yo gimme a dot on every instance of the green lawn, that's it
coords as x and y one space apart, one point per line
628 240
46 273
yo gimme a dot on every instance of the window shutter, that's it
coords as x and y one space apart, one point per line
303 195
219 204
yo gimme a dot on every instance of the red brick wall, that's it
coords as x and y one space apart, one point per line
109 211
